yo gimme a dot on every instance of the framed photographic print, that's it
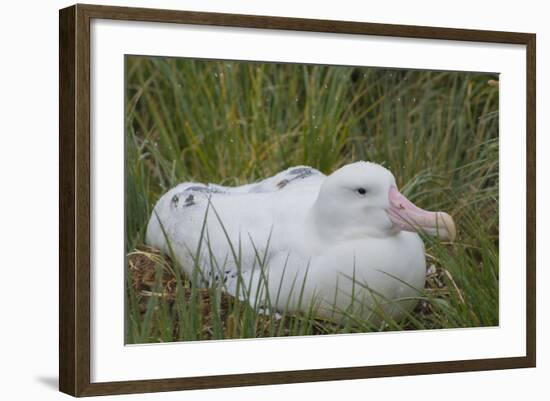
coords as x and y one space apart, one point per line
250 200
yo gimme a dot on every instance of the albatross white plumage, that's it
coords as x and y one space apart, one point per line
343 244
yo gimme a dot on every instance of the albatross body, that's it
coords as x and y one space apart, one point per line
340 245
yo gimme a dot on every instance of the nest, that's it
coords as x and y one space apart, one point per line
152 275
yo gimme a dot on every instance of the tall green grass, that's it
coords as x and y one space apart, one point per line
236 122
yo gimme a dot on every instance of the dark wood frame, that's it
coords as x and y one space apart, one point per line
74 199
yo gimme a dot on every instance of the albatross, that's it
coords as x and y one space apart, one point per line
341 245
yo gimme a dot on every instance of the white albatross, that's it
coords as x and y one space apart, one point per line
342 245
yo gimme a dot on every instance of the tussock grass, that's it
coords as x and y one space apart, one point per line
233 122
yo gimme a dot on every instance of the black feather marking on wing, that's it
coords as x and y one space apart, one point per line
297 173
281 184
189 201
301 172
175 200
205 189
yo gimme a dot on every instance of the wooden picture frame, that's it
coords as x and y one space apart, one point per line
75 201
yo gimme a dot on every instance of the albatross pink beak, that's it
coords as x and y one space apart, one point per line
409 217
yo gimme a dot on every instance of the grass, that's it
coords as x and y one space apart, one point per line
233 123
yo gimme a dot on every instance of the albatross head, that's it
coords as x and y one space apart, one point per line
361 199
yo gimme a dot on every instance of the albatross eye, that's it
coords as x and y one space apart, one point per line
361 191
